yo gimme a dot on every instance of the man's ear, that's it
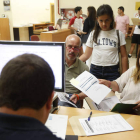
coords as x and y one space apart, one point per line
49 102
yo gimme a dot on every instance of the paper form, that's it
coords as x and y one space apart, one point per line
107 104
89 85
105 124
57 124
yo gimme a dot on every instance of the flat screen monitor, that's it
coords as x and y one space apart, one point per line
51 52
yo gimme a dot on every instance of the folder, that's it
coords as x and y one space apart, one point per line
136 21
124 108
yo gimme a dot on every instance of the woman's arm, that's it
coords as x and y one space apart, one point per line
113 85
87 54
124 58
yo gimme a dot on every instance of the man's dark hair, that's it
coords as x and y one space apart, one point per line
139 8
76 9
121 8
26 81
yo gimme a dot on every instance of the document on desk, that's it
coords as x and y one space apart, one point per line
105 124
89 85
57 124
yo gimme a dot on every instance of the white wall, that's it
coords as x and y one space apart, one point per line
30 11
8 15
129 5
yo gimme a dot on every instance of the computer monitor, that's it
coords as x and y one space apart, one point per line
51 52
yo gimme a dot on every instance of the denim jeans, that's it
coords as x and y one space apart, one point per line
105 72
78 104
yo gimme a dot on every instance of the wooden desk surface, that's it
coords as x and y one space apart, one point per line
133 120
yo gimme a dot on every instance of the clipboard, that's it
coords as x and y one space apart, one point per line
136 21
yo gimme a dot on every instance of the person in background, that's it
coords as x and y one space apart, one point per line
26 93
58 24
135 34
89 25
76 21
73 67
122 21
102 44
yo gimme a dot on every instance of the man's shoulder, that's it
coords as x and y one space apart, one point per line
82 65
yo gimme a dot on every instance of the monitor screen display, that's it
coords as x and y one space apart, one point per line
51 52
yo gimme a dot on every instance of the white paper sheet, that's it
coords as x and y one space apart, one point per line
57 124
107 104
63 97
90 86
105 124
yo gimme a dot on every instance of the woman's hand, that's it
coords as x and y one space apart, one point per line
104 82
138 106
74 98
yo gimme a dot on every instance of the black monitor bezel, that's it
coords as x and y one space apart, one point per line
44 43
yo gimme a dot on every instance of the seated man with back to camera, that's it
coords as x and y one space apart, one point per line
73 67
26 93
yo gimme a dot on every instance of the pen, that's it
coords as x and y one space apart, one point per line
90 116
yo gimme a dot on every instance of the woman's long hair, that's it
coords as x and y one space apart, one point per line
103 10
136 72
92 12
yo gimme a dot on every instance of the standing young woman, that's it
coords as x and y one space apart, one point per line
89 25
102 44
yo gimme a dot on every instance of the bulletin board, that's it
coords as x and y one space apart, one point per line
137 5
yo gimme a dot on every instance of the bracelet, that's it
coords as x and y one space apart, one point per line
77 96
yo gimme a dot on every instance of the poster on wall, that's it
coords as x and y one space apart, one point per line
6 4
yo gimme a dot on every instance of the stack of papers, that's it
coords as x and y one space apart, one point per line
57 124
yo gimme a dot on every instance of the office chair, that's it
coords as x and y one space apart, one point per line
50 28
34 38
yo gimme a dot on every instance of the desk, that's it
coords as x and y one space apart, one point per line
133 120
22 33
55 35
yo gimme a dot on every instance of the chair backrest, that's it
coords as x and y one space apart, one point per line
34 38
50 28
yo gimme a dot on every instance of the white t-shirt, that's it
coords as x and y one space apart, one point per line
130 92
106 53
137 30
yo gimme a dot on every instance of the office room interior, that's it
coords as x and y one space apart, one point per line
24 14
28 26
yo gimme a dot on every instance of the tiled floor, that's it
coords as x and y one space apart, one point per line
132 62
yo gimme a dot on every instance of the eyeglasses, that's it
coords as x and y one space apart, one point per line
74 48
